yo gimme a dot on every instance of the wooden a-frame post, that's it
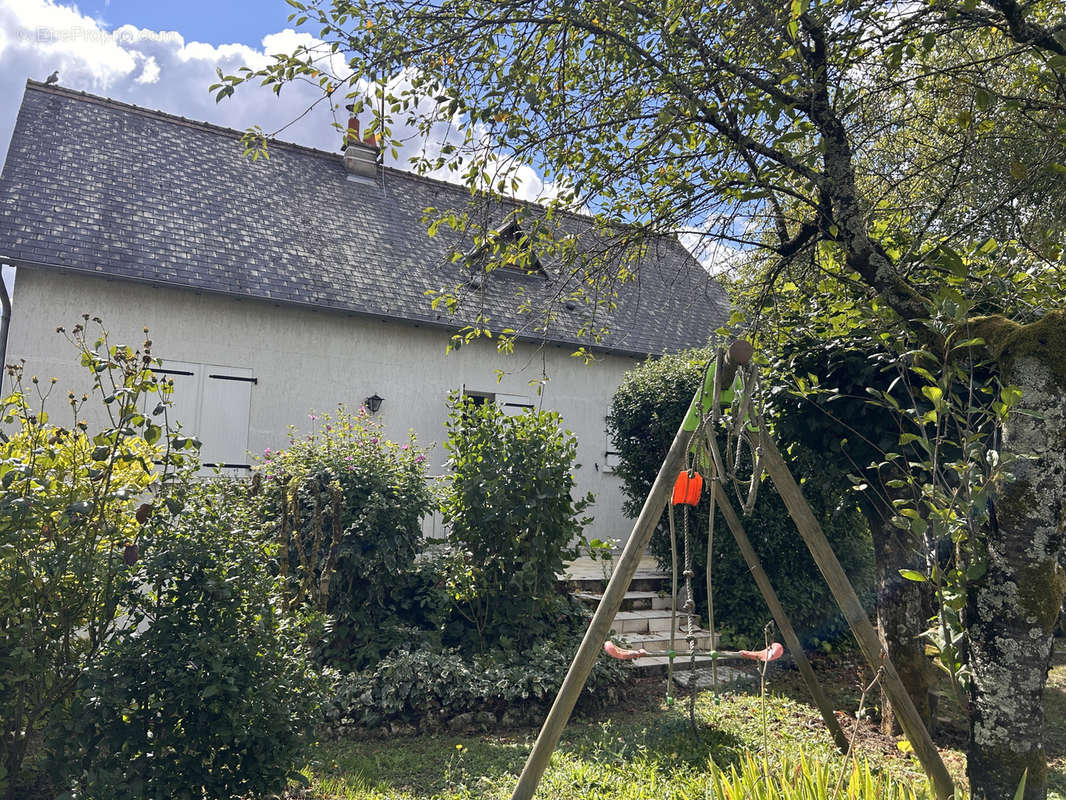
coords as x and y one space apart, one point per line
855 614
739 353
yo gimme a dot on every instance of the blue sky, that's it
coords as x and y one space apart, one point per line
164 55
246 21
161 55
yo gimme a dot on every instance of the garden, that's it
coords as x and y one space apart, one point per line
169 637
295 634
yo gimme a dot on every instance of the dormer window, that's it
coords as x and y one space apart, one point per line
509 248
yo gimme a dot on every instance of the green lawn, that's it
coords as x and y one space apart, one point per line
642 750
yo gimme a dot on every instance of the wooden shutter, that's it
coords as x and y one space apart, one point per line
185 400
227 398
514 404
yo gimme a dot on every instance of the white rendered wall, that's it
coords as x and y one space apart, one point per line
307 360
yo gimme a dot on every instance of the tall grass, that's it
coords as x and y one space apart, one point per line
803 779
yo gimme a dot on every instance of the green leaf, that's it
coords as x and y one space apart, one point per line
1019 793
795 11
934 394
1010 395
976 571
913 575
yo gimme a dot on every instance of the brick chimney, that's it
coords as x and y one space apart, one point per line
361 155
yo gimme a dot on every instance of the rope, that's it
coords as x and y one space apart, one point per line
690 600
690 628
710 588
744 410
673 608
708 433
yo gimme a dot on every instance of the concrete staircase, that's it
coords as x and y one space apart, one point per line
644 618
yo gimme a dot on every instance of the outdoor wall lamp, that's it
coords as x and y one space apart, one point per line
373 403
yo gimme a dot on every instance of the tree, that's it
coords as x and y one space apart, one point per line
758 124
513 524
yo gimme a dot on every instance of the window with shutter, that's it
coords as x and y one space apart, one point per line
513 404
212 402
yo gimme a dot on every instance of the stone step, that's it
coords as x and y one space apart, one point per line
658 665
642 582
649 621
632 601
589 575
660 642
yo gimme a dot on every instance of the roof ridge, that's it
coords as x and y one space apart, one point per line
215 227
210 127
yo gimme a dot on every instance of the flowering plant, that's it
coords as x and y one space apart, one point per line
347 505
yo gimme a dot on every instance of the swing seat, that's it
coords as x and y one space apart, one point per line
687 488
614 651
771 653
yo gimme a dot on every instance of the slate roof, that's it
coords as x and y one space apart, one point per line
95 186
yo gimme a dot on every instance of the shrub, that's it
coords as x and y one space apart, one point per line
422 685
71 507
207 692
513 523
644 417
347 505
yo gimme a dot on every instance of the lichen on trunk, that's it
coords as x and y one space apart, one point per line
1013 607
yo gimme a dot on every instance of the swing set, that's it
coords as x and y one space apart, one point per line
679 482
703 454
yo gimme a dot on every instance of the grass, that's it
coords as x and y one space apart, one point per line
646 750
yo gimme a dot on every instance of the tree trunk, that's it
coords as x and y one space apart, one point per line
1012 609
903 611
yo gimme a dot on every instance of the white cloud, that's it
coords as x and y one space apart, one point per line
714 253
150 71
155 69
160 70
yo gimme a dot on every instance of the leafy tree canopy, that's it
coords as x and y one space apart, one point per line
911 154
855 127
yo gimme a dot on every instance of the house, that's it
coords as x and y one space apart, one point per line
275 286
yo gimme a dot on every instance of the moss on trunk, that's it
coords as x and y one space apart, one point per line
1041 588
1043 340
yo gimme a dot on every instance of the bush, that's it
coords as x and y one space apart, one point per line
644 417
207 692
513 523
347 506
71 507
427 686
